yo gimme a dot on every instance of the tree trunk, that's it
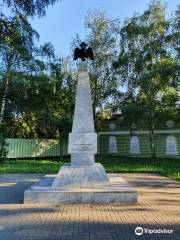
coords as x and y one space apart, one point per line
61 147
23 128
95 100
152 143
3 103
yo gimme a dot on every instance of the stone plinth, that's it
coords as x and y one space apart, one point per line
81 176
117 192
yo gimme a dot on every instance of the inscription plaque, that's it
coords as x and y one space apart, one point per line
82 143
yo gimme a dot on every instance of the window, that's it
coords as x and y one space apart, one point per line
134 145
112 145
171 145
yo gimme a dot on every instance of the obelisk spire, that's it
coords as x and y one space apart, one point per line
83 139
83 113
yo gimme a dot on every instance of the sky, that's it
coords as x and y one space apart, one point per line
66 18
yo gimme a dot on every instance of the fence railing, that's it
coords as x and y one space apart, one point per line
166 143
32 148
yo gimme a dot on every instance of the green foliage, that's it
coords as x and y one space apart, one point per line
21 10
173 37
29 7
102 35
145 63
165 167
30 166
112 164
36 90
148 68
43 108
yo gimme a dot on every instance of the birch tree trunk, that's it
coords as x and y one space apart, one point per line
3 103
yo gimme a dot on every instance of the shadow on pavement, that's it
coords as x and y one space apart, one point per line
12 186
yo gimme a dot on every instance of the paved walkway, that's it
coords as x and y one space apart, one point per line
12 186
158 207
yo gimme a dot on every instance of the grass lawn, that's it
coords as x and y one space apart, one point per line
112 164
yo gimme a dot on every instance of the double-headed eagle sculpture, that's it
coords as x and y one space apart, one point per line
83 53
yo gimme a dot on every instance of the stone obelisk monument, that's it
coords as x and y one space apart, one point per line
82 171
82 180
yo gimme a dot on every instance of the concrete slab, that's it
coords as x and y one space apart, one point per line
43 193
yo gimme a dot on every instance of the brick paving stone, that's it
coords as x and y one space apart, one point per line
158 207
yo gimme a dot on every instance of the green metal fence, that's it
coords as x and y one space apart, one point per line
123 143
27 148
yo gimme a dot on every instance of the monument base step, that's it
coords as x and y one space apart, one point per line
42 192
70 176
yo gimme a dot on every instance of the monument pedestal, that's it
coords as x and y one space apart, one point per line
117 192
83 180
81 176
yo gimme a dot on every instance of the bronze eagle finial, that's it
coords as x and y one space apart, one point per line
83 53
